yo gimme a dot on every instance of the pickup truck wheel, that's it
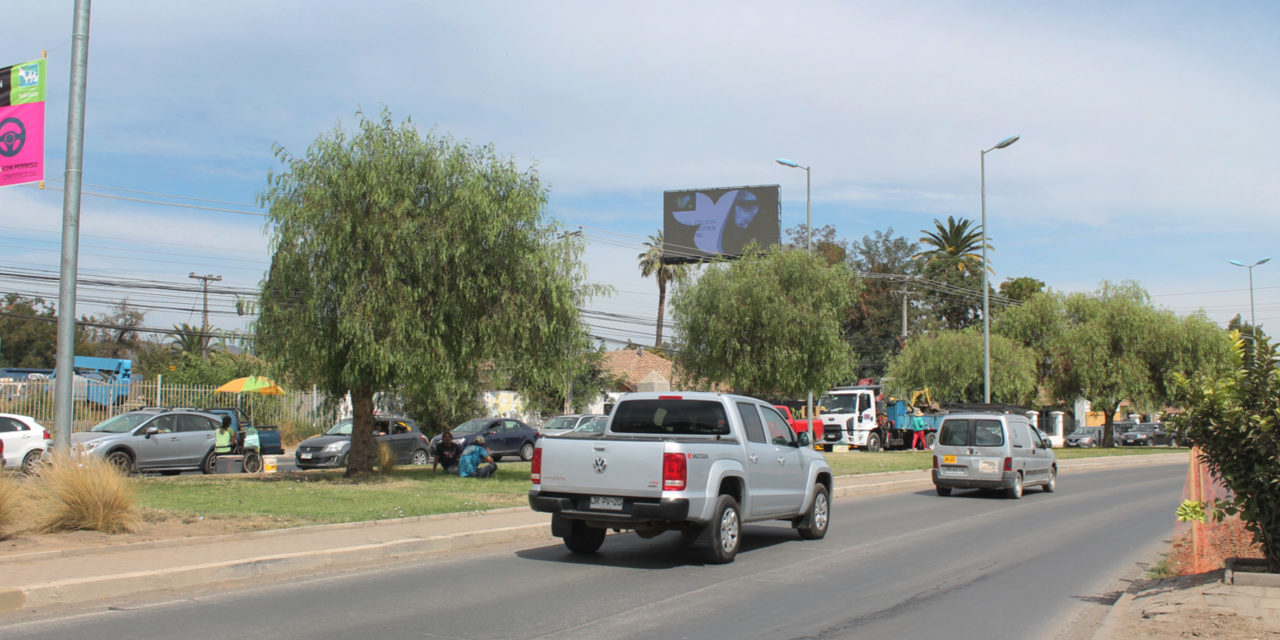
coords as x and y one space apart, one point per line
1015 491
726 531
814 526
584 539
419 457
252 462
210 464
942 491
526 452
873 442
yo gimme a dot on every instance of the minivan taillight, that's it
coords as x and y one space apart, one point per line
935 462
1008 464
535 467
675 472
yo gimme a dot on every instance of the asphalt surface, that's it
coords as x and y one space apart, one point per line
898 562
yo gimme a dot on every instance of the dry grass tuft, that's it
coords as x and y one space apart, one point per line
385 459
85 493
8 502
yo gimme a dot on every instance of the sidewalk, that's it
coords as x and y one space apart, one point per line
38 580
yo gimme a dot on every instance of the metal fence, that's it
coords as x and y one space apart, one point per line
299 414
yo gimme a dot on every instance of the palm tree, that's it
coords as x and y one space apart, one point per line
189 339
651 265
956 239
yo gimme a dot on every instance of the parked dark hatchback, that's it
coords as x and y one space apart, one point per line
502 436
330 450
1148 434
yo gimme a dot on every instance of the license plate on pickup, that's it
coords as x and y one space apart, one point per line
948 459
607 503
304 456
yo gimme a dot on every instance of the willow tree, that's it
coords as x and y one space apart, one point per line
410 262
767 324
949 364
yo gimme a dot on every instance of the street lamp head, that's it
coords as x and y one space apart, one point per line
1236 263
1006 142
1263 261
788 163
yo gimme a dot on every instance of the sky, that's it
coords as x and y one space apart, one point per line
1147 150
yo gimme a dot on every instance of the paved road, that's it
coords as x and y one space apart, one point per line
907 565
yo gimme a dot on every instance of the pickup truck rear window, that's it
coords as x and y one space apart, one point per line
670 417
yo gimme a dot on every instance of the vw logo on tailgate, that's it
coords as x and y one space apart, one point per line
600 465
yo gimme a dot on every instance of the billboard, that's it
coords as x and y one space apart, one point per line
700 224
22 123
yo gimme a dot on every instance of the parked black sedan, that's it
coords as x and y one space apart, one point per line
502 436
1148 434
330 450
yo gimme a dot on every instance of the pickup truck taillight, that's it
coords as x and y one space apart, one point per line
535 467
935 462
675 472
46 435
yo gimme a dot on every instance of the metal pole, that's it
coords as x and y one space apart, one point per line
63 384
808 244
1253 322
204 324
986 314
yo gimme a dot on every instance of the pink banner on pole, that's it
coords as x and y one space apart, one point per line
21 143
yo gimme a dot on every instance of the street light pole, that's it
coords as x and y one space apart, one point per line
986 311
1253 323
808 247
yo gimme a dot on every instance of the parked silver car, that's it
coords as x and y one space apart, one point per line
992 451
167 441
565 423
1085 437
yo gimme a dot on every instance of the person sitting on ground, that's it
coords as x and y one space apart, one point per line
446 454
476 461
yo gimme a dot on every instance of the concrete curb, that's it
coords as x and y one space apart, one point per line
98 587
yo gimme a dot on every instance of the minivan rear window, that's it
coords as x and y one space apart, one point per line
670 417
971 433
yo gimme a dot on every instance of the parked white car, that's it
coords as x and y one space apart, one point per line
23 441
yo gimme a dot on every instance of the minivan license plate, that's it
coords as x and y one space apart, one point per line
606 502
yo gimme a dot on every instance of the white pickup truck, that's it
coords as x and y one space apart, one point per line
700 463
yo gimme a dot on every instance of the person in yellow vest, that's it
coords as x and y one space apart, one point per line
224 440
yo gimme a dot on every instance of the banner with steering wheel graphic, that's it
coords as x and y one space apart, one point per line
22 90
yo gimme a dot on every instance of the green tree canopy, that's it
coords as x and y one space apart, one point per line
28 332
1021 288
767 324
410 262
949 364
884 262
961 239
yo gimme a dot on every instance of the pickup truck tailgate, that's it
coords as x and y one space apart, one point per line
599 466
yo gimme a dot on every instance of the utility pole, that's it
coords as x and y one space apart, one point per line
568 376
204 325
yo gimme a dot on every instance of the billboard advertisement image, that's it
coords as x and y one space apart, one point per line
22 123
701 224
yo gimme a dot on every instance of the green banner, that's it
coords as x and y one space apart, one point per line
22 83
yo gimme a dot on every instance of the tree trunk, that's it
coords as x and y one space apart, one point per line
359 458
1108 426
662 304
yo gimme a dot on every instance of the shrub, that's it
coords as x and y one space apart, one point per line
85 493
1234 420
385 459
8 502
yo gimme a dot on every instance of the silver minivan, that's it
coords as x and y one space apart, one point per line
992 451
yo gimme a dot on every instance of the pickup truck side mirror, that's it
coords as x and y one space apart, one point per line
803 439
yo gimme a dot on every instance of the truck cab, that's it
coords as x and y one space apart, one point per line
849 417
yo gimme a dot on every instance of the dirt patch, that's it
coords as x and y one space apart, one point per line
24 537
1176 608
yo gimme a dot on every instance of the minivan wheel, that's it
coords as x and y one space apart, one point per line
1015 491
942 491
726 531
873 442
526 452
1052 483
